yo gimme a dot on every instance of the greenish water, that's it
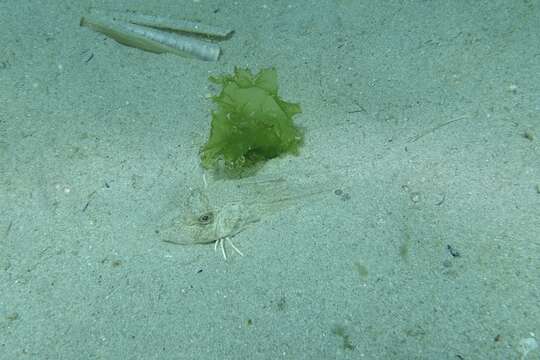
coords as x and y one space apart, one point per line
406 227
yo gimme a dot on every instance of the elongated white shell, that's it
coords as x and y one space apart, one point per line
153 40
165 22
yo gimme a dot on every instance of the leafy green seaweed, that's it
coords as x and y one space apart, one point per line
251 123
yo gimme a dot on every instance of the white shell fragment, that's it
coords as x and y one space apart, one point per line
165 22
527 345
147 32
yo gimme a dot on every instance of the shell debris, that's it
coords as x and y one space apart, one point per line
158 34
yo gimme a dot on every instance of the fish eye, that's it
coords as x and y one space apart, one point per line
206 219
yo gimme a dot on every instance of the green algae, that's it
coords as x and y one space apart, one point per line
251 124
